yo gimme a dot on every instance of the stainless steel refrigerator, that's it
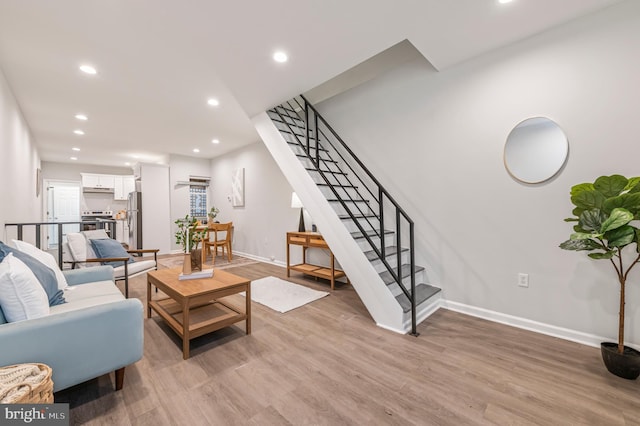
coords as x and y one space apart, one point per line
134 219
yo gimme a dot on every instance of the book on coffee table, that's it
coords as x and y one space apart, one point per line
205 273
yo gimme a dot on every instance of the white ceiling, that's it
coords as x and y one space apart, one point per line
159 61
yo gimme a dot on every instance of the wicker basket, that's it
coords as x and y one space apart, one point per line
27 393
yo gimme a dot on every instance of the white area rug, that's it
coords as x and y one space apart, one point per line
281 295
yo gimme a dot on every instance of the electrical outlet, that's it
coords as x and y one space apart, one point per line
523 280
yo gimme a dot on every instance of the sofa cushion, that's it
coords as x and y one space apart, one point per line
21 295
108 248
45 276
133 268
43 257
89 294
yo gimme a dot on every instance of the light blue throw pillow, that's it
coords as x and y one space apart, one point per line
107 248
44 274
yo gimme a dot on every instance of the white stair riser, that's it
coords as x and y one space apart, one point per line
395 288
380 267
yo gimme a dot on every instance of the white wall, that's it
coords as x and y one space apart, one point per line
260 226
436 141
19 161
181 168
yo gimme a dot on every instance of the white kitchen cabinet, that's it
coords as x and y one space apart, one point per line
90 180
123 186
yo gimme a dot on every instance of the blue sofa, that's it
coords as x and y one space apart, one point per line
96 332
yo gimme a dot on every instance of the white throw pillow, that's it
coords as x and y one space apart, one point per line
21 295
77 246
45 258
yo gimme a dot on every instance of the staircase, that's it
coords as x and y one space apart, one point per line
371 235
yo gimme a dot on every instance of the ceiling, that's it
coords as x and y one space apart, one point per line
159 61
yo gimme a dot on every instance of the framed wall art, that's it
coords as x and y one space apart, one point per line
237 188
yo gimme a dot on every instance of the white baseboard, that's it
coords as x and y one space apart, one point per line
527 324
260 258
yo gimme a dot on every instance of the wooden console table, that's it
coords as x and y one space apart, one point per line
312 239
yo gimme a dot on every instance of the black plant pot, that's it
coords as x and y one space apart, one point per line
625 365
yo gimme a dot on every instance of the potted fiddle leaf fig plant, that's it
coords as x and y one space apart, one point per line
605 212
189 237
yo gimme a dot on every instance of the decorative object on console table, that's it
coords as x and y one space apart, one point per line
604 212
189 237
297 204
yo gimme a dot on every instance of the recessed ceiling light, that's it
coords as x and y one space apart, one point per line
213 102
196 150
73 158
127 163
159 162
88 69
504 1
280 56
75 149
215 141
82 117
78 132
135 156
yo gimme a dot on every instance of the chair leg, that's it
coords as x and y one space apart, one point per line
126 280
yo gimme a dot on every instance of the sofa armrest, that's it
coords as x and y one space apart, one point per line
88 275
78 345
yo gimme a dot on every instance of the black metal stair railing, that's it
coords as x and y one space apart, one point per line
345 176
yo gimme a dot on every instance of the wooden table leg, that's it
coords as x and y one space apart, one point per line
288 261
148 297
248 307
333 271
185 329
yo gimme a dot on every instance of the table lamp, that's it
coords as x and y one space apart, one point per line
297 204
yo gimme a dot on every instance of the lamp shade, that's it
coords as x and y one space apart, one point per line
295 201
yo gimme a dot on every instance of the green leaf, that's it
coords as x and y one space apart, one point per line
605 255
627 201
632 185
582 236
579 245
592 220
577 228
620 237
610 186
577 211
571 219
575 189
618 217
588 199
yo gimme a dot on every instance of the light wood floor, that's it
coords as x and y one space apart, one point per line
327 364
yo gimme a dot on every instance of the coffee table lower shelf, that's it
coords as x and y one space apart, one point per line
204 318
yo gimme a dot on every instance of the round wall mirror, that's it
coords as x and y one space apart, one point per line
535 151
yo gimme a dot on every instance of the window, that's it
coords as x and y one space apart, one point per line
198 198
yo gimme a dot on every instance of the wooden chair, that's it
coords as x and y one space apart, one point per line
221 238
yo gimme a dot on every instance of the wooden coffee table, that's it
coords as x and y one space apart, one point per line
193 307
